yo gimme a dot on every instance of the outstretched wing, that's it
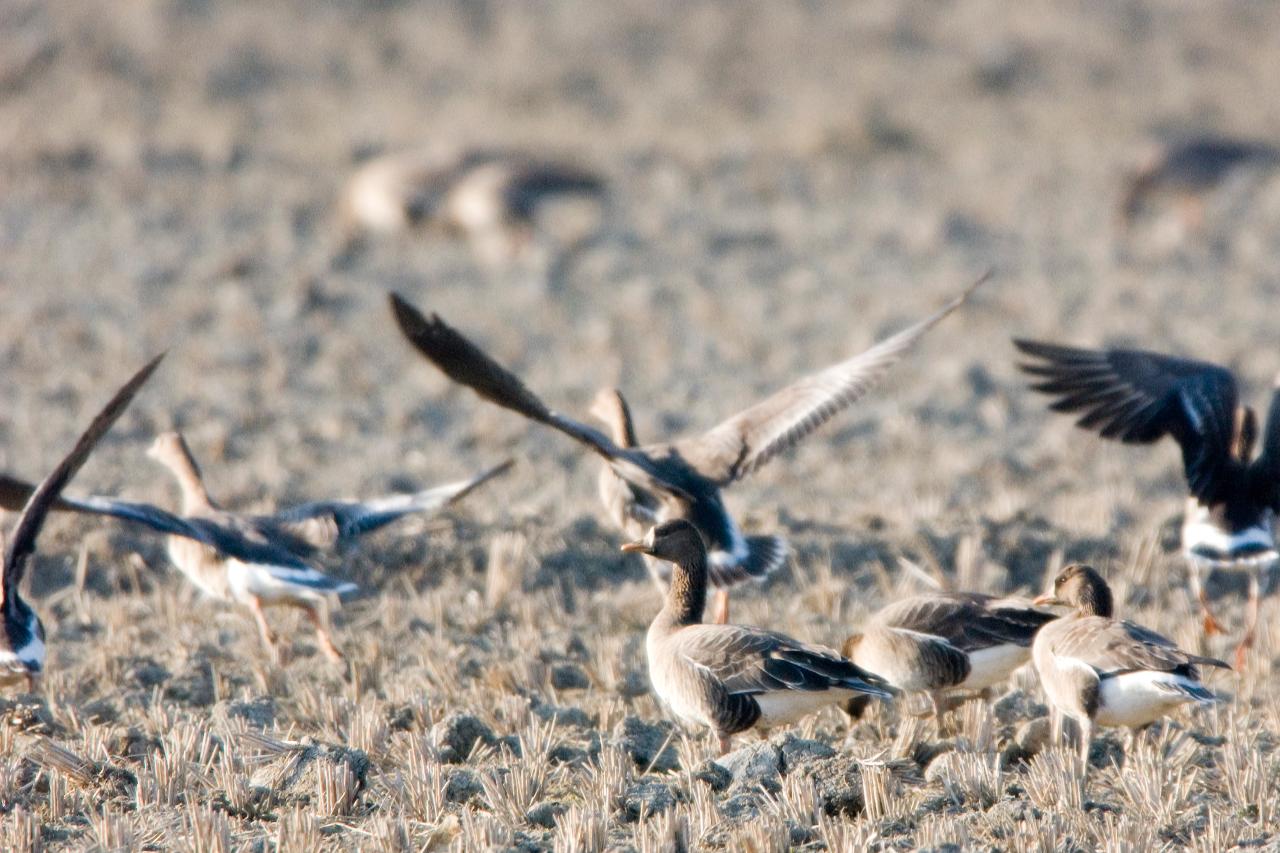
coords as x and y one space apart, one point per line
351 519
1138 397
749 439
23 542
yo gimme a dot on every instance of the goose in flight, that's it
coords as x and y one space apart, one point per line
685 478
1139 397
22 645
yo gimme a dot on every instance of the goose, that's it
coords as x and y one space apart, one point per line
685 478
489 197
1103 671
306 529
1138 397
731 678
1186 171
942 642
22 645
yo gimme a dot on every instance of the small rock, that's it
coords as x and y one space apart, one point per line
838 783
100 711
569 676
798 753
457 734
462 787
926 751
648 744
647 798
566 754
742 806
566 716
259 713
135 745
633 684
715 776
546 813
296 779
145 673
755 766
1015 706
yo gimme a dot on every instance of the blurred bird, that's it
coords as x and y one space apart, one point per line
942 642
1103 671
1186 171
1138 397
489 197
22 645
684 478
732 678
258 560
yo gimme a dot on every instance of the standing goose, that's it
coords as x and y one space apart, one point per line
731 678
1138 397
1103 671
22 648
685 477
942 642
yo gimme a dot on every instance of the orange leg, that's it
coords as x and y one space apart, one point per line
720 608
1211 624
264 630
1250 622
319 618
723 743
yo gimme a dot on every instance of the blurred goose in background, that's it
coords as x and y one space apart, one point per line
22 646
685 477
1184 172
489 197
942 642
1103 671
305 530
1139 397
730 678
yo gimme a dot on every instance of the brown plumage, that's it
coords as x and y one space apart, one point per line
1100 670
940 642
731 678
1139 397
685 477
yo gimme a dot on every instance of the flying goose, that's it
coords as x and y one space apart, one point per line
304 529
489 197
685 477
731 678
1103 671
1138 397
942 642
1186 170
22 646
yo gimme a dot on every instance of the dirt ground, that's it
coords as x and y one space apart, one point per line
788 182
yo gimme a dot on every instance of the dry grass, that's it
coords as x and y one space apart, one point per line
788 182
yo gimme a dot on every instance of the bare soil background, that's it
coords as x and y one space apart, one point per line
788 182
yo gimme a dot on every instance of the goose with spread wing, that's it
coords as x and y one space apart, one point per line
22 645
1104 671
732 678
685 478
941 643
1139 397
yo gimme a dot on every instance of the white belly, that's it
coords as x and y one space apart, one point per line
994 665
267 584
787 706
1136 698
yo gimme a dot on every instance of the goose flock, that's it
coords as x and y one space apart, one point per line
667 499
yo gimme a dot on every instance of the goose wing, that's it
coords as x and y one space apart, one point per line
23 542
1114 647
1137 397
749 439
